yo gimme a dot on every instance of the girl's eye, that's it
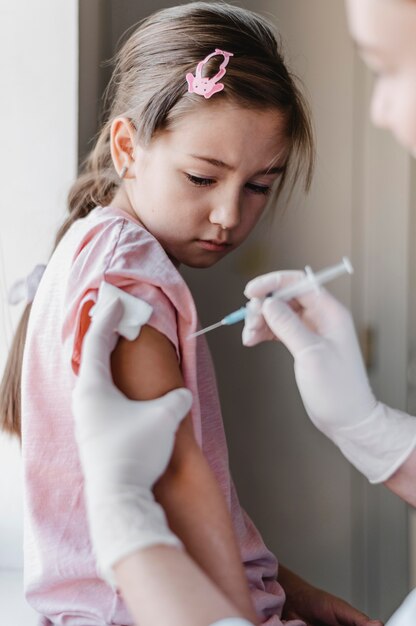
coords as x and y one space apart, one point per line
200 182
261 189
206 182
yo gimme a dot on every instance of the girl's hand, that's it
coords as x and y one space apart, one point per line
124 447
319 608
330 374
316 607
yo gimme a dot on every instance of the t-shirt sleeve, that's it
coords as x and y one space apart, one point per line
127 265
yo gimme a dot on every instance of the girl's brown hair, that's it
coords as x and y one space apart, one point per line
148 86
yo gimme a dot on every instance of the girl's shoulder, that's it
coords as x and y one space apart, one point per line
105 221
111 236
107 245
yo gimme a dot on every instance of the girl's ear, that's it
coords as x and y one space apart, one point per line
122 141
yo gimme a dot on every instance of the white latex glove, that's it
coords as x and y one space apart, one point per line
406 613
256 328
331 376
124 447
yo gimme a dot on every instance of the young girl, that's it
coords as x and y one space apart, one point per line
205 126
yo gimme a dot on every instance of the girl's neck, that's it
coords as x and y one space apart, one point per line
121 201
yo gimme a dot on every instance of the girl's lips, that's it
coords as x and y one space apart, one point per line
213 246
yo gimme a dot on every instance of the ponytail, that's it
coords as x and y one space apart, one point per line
10 404
96 185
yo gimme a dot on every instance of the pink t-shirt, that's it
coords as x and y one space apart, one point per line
61 582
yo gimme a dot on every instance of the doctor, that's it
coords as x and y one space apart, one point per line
377 439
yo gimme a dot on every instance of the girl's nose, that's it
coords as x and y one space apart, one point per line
226 212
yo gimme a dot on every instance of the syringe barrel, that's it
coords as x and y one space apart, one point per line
324 276
236 316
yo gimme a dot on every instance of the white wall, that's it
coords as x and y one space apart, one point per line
38 112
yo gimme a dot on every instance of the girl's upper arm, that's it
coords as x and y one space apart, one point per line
147 368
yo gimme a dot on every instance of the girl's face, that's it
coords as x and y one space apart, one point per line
201 186
385 32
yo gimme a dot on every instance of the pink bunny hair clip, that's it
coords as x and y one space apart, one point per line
208 86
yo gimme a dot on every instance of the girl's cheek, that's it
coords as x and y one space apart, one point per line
252 219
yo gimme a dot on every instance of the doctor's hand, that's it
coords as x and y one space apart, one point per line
330 374
124 447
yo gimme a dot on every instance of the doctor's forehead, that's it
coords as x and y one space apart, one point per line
377 25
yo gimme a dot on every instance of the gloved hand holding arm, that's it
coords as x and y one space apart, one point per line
124 448
330 374
120 455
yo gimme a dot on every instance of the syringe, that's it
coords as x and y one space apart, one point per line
309 283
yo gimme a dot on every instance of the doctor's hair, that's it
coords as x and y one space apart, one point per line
148 86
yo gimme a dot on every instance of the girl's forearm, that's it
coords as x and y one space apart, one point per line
162 585
198 515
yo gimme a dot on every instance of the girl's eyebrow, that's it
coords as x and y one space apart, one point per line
218 163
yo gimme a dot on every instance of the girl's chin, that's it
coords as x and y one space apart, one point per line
203 261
